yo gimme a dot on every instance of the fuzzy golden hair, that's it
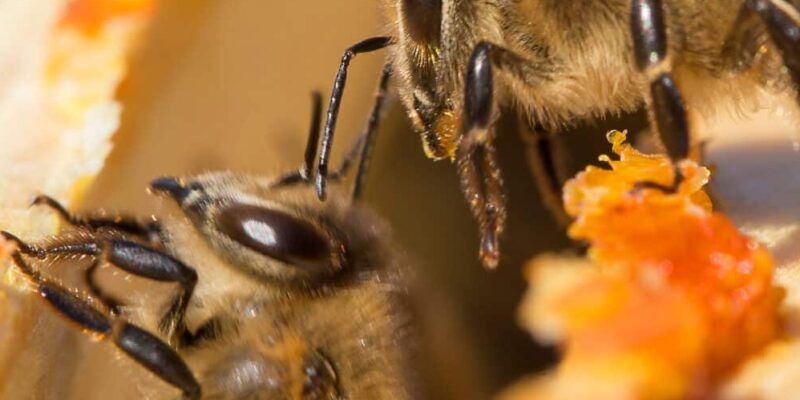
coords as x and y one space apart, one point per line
578 56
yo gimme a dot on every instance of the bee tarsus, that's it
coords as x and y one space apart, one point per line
123 223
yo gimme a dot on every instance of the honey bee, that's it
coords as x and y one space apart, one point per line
280 296
558 62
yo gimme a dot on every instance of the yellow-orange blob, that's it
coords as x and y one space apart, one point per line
90 15
445 133
673 299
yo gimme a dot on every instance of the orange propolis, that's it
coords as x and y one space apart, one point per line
672 299
91 15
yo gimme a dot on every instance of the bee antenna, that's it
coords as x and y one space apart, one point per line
313 136
365 46
361 148
370 133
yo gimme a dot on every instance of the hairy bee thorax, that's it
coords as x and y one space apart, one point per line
584 48
302 348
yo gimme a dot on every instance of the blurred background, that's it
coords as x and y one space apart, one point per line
226 85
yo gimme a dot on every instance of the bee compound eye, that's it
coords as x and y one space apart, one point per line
278 235
422 19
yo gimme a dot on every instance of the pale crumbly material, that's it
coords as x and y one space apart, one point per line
61 63
671 302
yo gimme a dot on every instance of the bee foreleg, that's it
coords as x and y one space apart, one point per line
483 187
479 174
85 246
782 20
365 46
145 348
155 355
132 257
666 105
31 250
121 223
112 303
477 167
143 261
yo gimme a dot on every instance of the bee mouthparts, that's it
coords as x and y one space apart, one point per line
171 186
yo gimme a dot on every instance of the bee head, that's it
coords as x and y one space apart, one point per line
274 234
418 58
434 41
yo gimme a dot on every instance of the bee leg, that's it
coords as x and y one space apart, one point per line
782 20
365 46
483 187
475 156
132 257
666 107
27 249
145 348
86 247
110 302
547 164
479 174
146 262
121 223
